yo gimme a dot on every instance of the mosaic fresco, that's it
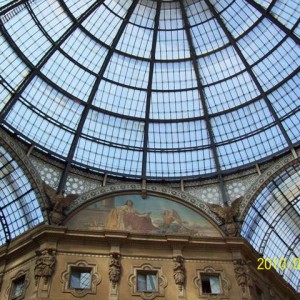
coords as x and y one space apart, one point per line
153 215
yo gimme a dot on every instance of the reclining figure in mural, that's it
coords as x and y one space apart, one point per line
125 217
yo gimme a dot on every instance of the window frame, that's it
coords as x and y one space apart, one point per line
21 275
81 270
146 273
95 278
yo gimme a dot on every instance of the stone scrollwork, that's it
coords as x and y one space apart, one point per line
147 295
114 272
179 272
44 265
241 273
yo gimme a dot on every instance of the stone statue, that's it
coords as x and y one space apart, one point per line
241 273
227 214
59 203
114 272
44 265
179 272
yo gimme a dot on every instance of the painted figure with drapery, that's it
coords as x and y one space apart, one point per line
125 217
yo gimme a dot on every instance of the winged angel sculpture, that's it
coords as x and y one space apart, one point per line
59 203
228 213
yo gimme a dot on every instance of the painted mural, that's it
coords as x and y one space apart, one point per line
153 215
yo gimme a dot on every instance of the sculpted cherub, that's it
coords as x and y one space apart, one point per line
179 272
59 203
114 272
228 213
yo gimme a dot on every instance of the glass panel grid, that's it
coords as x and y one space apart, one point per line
18 201
104 24
27 36
287 12
237 15
280 63
46 108
40 130
258 42
85 51
120 99
175 105
69 76
52 17
13 69
128 71
272 224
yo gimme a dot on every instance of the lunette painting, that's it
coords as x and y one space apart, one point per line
132 213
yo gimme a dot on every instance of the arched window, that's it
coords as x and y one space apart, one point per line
19 206
272 224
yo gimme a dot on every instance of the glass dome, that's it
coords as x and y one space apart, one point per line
152 89
272 224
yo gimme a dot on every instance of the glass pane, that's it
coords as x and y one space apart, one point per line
80 279
151 282
18 287
215 284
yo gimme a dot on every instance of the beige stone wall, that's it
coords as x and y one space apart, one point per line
136 251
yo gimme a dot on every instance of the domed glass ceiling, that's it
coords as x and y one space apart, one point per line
152 89
272 224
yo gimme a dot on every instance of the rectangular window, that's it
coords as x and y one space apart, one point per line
210 284
146 281
80 278
18 287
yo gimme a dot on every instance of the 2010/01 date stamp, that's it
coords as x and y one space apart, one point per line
280 263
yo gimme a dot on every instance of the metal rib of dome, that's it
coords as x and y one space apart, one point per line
152 89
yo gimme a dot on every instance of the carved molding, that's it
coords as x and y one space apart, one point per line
225 284
79 293
157 190
162 282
